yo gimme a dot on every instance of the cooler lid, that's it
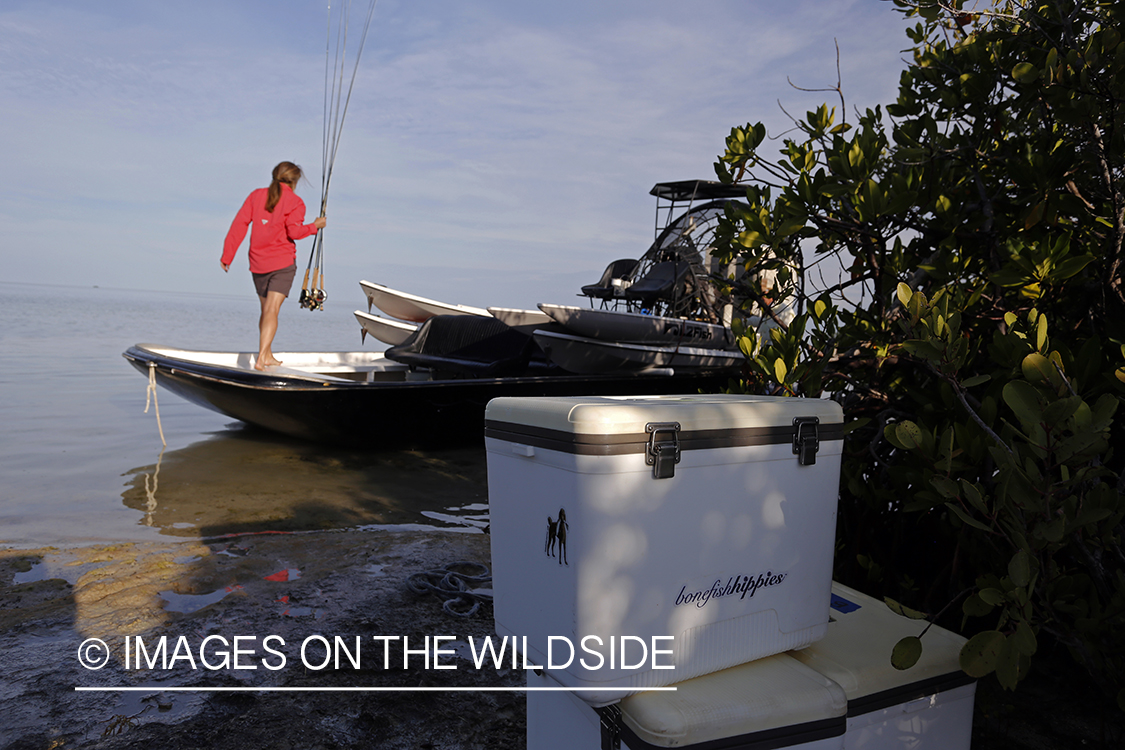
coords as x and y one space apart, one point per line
856 653
774 702
622 424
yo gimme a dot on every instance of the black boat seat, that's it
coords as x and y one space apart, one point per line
604 289
664 281
469 345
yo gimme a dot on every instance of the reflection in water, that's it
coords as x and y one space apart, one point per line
247 481
150 492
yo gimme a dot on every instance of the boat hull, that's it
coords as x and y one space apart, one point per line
392 332
411 307
614 325
579 354
391 412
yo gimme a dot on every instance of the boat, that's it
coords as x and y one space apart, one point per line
384 329
579 354
635 327
661 328
411 307
366 398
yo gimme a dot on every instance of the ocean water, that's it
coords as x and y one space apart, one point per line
81 461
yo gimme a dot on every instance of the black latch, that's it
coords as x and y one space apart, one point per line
806 439
611 726
663 450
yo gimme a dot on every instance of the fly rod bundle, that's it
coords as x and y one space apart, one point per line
335 110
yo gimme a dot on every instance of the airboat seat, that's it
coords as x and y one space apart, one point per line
605 289
665 281
466 345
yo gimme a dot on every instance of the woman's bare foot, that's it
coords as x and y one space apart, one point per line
263 363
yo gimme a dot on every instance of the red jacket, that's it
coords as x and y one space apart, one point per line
273 240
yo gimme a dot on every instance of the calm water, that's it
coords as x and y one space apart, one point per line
80 460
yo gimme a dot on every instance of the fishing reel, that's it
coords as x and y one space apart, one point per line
313 299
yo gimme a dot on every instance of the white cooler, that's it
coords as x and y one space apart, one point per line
775 702
926 707
710 519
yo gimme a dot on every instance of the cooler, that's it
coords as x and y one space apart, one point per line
710 519
775 702
926 707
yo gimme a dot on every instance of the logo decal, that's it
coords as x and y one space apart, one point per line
556 532
743 585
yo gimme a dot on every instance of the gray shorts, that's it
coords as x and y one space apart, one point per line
280 280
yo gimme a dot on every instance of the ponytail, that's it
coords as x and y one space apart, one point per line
286 172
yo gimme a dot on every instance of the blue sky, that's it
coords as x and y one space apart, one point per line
497 152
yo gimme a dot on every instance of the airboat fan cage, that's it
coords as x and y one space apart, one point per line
677 276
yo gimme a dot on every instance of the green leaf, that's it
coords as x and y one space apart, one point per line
908 434
1070 267
1061 410
904 294
974 606
1019 569
1025 73
902 609
972 494
906 652
966 517
1024 401
992 596
1037 368
780 370
979 656
1024 640
975 380
1041 333
946 486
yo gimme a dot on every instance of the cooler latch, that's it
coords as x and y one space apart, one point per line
663 450
806 439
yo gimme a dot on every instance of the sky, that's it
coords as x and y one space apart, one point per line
495 152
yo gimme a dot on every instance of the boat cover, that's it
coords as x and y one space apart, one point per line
466 345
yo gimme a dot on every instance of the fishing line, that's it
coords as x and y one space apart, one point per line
314 296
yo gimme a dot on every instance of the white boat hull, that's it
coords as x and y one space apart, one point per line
411 307
392 332
613 325
517 318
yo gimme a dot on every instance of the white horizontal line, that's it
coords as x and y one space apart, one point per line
159 688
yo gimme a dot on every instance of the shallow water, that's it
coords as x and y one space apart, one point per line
81 461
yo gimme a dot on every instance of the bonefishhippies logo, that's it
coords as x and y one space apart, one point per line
744 586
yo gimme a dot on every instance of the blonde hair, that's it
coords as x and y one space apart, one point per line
286 172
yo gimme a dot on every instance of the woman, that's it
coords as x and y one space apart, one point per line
278 216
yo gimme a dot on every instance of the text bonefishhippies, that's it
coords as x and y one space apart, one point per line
744 585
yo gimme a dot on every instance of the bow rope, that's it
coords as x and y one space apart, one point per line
314 297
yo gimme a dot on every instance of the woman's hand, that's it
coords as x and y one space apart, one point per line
319 222
226 266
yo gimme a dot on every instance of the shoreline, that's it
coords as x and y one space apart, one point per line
343 584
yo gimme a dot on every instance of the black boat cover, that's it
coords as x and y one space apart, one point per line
470 345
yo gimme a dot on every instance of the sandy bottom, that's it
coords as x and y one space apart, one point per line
298 588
